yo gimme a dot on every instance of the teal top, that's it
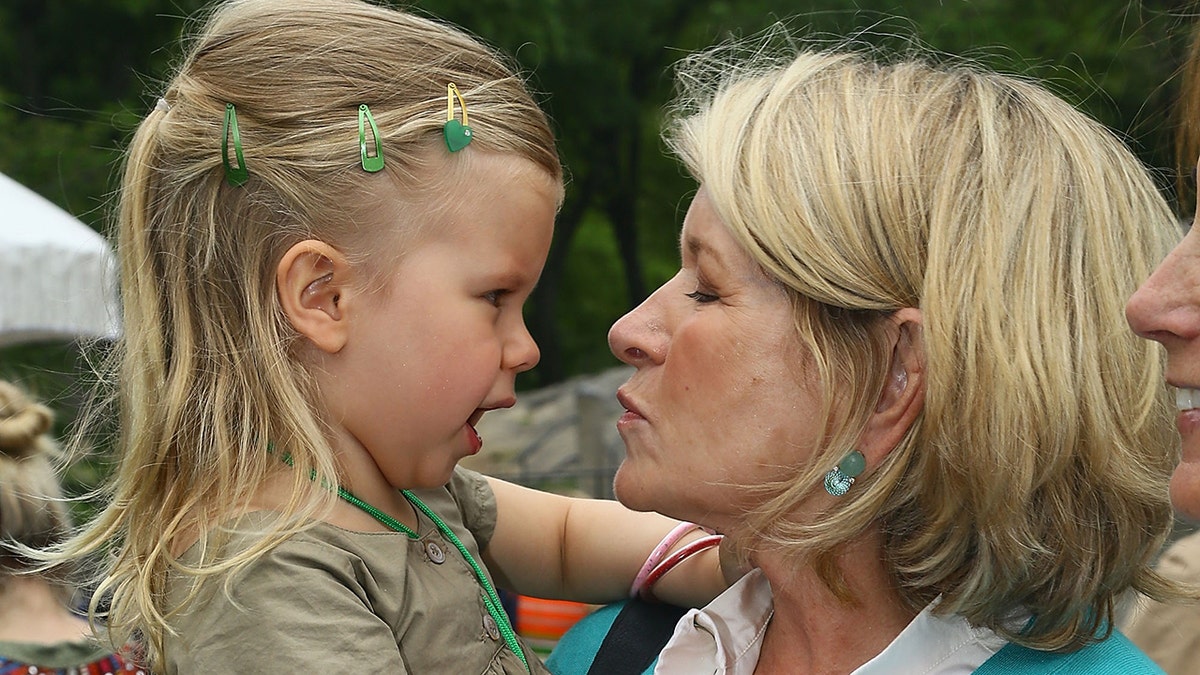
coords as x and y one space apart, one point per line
1114 656
574 653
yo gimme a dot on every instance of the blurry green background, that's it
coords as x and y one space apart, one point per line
77 76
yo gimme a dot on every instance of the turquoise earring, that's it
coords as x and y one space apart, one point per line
841 477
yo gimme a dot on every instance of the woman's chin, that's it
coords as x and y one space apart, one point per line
636 490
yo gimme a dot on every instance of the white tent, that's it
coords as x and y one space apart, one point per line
57 275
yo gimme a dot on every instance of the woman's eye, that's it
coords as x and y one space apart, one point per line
702 298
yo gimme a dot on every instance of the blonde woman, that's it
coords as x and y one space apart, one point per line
893 369
39 633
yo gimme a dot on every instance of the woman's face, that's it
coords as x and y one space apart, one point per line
723 396
1167 309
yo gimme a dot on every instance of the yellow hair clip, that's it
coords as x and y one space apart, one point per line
458 134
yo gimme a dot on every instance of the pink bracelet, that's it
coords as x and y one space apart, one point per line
686 551
657 554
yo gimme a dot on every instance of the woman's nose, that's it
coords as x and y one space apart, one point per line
639 338
1167 305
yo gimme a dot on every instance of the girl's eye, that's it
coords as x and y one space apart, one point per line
495 296
702 298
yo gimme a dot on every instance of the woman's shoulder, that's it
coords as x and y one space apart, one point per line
1115 655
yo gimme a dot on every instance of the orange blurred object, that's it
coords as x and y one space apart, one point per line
544 621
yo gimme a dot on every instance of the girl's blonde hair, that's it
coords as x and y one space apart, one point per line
33 513
208 372
1035 477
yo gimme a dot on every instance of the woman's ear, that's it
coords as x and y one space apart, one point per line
311 280
903 395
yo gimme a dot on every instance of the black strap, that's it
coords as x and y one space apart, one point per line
636 637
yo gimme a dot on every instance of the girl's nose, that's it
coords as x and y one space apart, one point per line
521 353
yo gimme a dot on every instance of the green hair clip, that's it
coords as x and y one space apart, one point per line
458 134
235 175
370 163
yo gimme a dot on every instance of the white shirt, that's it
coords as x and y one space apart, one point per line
725 638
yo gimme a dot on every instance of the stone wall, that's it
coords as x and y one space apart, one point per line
561 438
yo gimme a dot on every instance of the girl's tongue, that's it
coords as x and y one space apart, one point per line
473 439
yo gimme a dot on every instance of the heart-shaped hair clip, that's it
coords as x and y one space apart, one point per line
458 134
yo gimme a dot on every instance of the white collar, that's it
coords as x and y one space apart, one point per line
934 643
725 638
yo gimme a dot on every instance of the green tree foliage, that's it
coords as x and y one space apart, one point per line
75 79
78 75
605 73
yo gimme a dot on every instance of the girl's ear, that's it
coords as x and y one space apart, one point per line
903 395
311 280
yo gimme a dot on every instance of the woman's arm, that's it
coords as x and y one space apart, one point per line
588 550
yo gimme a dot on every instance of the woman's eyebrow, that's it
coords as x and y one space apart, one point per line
695 247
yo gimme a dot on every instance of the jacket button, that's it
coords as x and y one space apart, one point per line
436 555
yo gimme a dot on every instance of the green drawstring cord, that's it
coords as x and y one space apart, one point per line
490 599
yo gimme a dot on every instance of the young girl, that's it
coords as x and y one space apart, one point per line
327 229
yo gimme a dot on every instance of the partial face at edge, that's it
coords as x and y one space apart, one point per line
1167 309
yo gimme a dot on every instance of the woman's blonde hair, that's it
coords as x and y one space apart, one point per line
208 373
33 513
1035 477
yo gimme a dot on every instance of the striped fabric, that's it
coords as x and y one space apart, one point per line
113 664
541 623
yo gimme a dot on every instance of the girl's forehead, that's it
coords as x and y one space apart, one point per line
476 173
463 192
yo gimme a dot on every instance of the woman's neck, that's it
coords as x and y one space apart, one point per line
31 611
813 632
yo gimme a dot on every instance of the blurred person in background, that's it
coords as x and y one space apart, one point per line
39 632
